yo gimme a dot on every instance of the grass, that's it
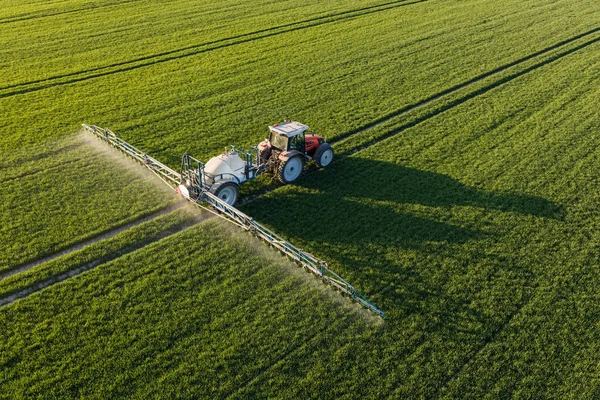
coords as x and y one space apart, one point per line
471 220
100 252
217 103
160 324
466 226
56 195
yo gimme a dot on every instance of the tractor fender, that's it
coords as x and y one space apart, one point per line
286 155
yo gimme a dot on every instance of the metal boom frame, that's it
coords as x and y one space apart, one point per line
235 216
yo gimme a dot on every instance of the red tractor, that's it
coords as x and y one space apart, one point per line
284 153
289 147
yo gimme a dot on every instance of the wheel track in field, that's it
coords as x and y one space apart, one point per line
469 83
12 297
486 340
183 52
375 123
452 105
285 355
17 162
38 171
501 328
535 291
281 357
77 246
25 17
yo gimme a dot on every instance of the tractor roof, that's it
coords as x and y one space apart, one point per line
289 129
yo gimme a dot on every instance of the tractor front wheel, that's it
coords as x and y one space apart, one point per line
226 191
290 170
323 155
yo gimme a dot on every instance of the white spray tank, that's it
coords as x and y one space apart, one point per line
227 166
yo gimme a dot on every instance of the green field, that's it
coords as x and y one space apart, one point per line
463 201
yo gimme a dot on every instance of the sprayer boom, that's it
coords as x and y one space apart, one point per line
190 183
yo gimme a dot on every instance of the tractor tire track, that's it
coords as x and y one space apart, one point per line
498 331
440 325
452 105
277 360
183 52
76 271
456 88
467 97
38 171
285 355
18 162
80 245
281 356
26 17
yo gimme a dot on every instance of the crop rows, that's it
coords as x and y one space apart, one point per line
166 292
463 267
452 97
31 116
166 19
459 246
229 102
93 254
71 195
189 51
464 203
36 13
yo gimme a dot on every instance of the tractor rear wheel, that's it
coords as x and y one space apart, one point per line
323 155
290 170
227 191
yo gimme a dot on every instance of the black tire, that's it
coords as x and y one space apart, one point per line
323 155
227 191
291 169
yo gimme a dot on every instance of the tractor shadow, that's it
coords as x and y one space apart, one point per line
362 201
359 214
387 182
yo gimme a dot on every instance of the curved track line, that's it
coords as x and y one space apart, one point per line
188 51
283 356
497 332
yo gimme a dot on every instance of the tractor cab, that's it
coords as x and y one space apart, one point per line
288 136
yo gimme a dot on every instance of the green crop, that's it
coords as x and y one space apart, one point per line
186 308
211 97
100 252
471 230
53 198
463 201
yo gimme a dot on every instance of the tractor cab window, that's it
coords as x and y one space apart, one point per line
297 143
279 141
